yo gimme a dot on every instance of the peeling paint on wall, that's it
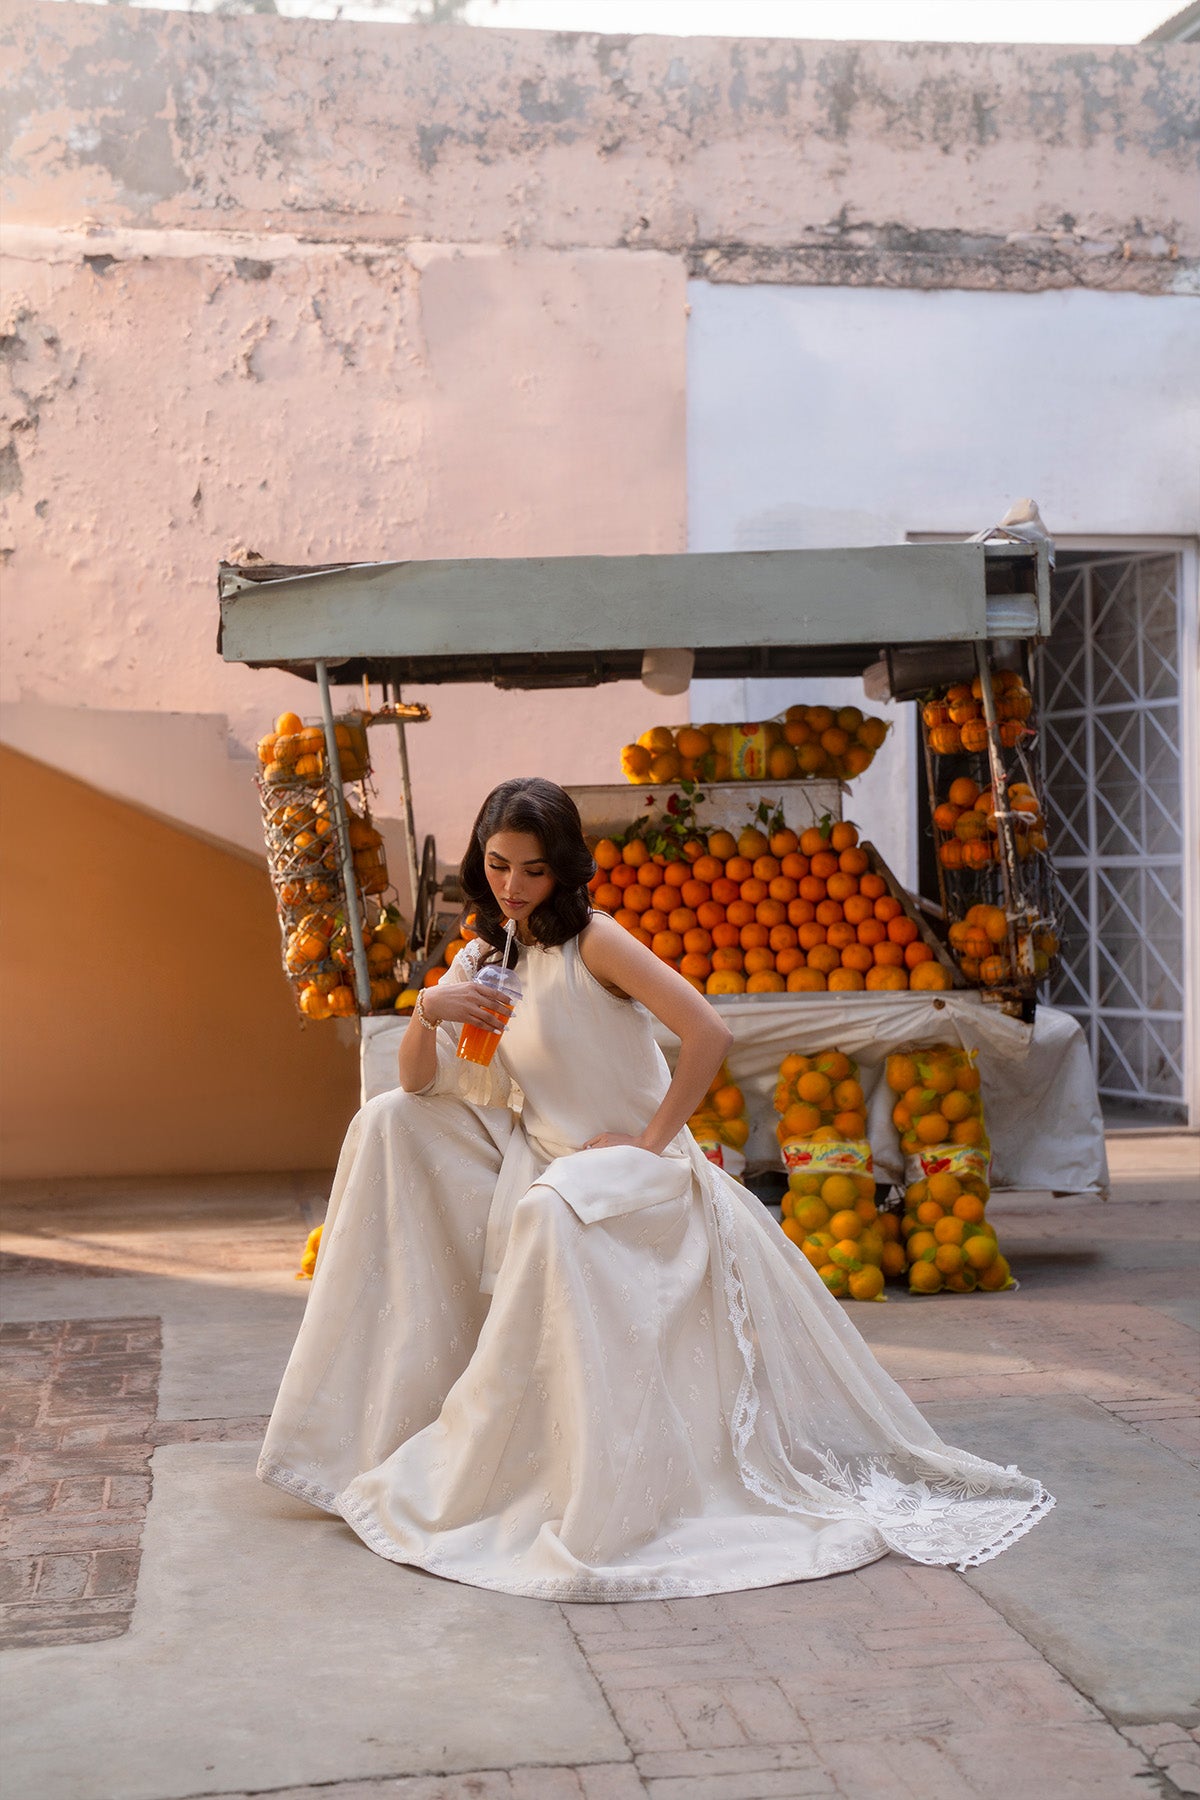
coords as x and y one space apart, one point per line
707 148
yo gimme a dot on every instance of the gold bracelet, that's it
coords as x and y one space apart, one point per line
419 1013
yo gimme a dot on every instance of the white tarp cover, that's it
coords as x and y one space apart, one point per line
1039 1090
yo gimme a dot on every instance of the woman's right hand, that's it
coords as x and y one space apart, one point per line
467 1003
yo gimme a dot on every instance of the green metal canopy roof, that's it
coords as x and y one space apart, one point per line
579 621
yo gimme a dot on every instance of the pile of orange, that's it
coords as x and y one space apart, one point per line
969 831
755 914
954 721
807 743
720 1119
829 1208
295 751
326 979
819 1099
948 1242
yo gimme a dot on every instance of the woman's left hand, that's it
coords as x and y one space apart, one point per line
610 1139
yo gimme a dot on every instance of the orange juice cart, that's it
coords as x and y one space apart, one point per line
929 622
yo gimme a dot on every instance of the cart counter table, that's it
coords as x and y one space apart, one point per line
1039 1089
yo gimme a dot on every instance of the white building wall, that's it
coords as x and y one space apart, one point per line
822 416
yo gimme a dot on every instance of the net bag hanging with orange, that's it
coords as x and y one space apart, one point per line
948 1242
829 1208
719 1124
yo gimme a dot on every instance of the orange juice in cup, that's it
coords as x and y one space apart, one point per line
477 1043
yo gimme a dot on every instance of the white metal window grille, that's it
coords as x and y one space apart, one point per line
1110 707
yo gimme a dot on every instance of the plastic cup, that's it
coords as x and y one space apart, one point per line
477 1043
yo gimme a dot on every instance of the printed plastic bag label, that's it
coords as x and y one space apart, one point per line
723 1155
948 1159
842 1156
748 750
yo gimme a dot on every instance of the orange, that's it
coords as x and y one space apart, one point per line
857 956
755 936
622 875
814 1087
695 893
696 967
997 1275
629 920
812 888
806 981
607 897
722 845
866 1284
872 931
901 930
765 981
929 977
841 887
753 890
740 912
949 1231
725 935
845 981
889 955
970 1209
652 920
729 1101
783 888
840 936
667 944
792 1065
759 960
824 864
663 899
812 840
963 791
692 743
784 842
829 912
917 952
637 899
967 1131
886 981
794 865
725 981
800 912
766 867
770 912
981 1251
932 1128
944 1188
697 942
874 886
752 842
724 890
724 961
800 1119
824 957
783 937
843 835
635 853
676 873
810 935
787 960
606 854
709 914
681 920
853 862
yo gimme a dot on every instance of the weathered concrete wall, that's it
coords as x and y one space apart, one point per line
919 164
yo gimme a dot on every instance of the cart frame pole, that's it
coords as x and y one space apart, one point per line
362 976
1008 848
408 817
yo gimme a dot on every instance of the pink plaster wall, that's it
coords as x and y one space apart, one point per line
322 406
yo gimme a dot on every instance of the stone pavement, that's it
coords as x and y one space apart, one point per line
174 1629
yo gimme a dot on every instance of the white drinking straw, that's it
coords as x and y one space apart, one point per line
508 941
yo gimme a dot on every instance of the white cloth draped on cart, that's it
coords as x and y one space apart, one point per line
595 1374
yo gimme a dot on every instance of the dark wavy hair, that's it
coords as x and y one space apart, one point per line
547 813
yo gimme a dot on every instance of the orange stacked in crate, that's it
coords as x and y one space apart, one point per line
829 1208
949 1243
766 913
807 743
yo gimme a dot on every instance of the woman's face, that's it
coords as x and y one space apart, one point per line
517 873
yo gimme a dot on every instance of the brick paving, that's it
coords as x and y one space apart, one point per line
79 1398
892 1683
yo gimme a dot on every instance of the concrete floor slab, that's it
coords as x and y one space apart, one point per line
270 1648
1104 1587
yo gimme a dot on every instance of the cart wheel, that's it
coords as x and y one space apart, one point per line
425 899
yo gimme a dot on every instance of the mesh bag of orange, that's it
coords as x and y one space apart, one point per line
829 1208
719 1124
949 1245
